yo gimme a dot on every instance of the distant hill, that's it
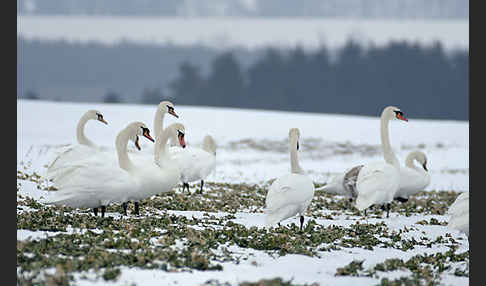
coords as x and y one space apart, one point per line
255 8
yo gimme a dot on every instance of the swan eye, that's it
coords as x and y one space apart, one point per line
398 112
180 133
145 130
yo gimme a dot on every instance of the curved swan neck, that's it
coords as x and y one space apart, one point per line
121 143
410 163
388 154
159 122
82 139
294 158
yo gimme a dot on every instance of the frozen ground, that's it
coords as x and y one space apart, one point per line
253 149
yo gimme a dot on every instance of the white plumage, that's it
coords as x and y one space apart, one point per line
459 213
376 184
95 182
194 163
290 194
413 179
67 155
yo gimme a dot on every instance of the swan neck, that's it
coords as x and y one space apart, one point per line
388 154
121 149
160 148
158 130
294 158
80 136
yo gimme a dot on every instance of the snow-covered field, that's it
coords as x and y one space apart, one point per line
252 150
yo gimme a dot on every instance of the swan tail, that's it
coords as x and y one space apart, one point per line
271 219
274 216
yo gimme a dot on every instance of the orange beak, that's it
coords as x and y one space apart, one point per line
146 135
173 113
182 142
401 117
103 120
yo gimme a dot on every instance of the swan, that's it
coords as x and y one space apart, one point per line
459 213
84 148
61 169
378 182
92 184
412 179
195 163
160 174
289 194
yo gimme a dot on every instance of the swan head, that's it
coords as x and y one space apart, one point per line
178 130
209 144
294 134
96 115
393 112
420 157
168 107
137 129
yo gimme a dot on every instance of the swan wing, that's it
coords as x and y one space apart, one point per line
194 163
412 182
93 186
288 196
377 183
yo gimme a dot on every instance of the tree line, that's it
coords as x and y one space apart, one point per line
426 81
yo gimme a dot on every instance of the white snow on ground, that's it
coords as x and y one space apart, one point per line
330 144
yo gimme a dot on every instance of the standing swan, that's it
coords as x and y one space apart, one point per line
378 182
290 194
84 148
160 176
459 213
195 163
413 179
92 184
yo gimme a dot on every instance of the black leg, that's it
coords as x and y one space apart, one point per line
103 209
185 185
202 183
124 206
95 211
388 207
137 209
301 222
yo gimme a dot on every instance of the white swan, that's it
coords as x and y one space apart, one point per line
72 153
459 213
92 184
378 182
159 174
195 163
412 179
62 167
290 194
